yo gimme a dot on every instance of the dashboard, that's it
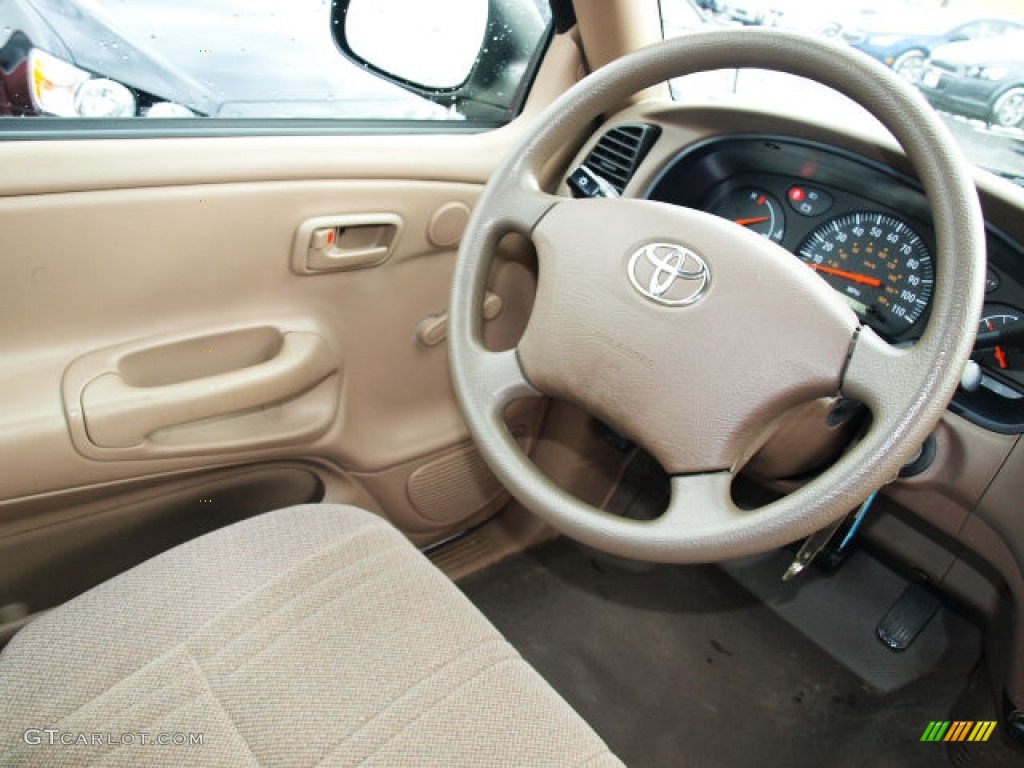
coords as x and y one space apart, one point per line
867 231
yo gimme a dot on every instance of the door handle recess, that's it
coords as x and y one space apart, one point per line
119 415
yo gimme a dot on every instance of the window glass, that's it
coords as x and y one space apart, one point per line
213 58
965 56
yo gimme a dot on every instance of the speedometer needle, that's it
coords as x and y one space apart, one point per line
874 282
748 222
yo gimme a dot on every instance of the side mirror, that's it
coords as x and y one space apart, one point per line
475 57
431 44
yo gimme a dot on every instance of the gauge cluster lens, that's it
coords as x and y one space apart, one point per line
754 209
878 263
1003 358
1003 363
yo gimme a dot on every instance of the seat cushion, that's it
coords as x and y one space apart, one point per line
311 636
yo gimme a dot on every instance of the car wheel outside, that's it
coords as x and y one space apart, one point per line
910 65
1008 110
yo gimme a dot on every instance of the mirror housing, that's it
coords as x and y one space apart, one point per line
483 76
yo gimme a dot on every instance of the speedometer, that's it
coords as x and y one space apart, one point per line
878 263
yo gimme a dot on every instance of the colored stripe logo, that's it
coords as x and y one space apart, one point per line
959 730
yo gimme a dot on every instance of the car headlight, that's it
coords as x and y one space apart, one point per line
61 89
100 97
988 73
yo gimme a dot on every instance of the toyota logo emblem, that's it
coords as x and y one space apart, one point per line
669 274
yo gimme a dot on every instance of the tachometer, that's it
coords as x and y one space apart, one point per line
878 263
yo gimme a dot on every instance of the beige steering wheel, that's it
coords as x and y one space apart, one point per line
693 347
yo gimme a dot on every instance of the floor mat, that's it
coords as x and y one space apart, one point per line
683 666
865 589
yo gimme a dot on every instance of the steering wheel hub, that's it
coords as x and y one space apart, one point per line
693 382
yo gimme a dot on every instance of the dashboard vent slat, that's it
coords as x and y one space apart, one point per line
619 152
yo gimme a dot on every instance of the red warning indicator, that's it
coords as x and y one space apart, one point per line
809 201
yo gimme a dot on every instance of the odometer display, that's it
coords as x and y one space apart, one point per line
881 265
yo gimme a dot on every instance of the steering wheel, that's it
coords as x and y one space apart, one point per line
691 335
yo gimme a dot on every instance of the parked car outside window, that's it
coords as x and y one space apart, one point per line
982 79
906 47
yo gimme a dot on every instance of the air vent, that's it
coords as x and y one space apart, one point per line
618 153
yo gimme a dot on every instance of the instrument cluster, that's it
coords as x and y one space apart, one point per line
866 230
875 258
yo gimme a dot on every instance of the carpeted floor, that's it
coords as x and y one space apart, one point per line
682 666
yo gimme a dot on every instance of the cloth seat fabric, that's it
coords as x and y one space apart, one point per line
311 636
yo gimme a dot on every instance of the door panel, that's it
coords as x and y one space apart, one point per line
130 269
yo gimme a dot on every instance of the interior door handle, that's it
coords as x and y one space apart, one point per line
334 243
119 415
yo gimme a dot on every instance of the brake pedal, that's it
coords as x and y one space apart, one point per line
907 617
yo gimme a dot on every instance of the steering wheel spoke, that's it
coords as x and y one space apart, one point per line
500 378
873 366
701 504
519 207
